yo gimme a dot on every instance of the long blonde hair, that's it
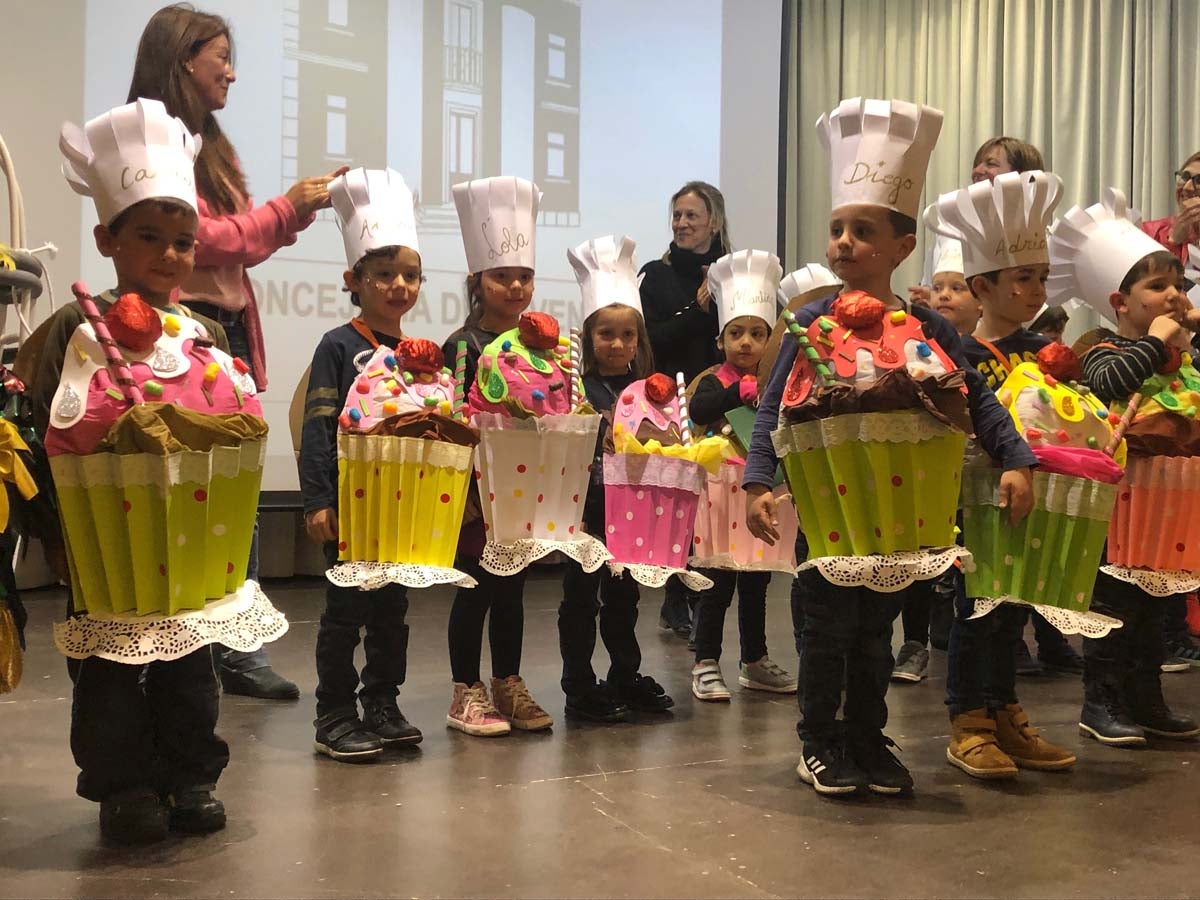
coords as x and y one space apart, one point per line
714 202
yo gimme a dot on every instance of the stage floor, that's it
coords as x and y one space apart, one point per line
701 802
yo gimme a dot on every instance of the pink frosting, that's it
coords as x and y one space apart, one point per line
540 393
633 408
1080 462
382 389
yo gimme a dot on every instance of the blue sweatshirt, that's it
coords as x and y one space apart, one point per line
993 425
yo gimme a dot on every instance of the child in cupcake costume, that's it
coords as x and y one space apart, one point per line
745 285
615 352
865 403
1144 371
1001 226
156 443
368 385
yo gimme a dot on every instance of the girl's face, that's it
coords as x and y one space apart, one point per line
211 70
1157 294
691 224
387 287
507 292
614 331
994 162
952 298
743 341
1185 188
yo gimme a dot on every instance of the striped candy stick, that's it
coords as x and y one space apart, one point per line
685 420
810 352
117 365
1119 429
574 363
460 376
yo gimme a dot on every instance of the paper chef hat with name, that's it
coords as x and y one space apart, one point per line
806 278
944 255
374 209
1000 224
1093 249
607 273
129 154
745 283
879 151
497 217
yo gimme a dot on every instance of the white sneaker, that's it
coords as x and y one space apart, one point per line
707 682
766 675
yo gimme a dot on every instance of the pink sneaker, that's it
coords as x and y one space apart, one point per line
472 712
515 703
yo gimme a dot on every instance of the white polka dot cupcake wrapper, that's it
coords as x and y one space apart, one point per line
722 540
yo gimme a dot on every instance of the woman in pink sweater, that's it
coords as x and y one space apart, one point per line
1176 231
185 59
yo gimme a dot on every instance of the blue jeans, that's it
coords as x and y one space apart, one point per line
981 667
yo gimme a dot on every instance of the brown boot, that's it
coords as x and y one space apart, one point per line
514 702
973 747
1024 745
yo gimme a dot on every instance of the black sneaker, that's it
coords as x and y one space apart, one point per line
264 684
643 694
342 736
1026 664
829 768
195 811
1061 657
1185 649
1108 723
596 705
132 817
885 774
382 717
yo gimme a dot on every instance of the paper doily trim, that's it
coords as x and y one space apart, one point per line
900 427
1153 582
243 620
725 561
657 576
1067 621
886 572
369 576
509 559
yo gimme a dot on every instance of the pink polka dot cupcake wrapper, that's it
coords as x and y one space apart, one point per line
1156 521
650 505
722 540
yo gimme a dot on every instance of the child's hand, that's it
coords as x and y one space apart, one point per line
748 390
1191 319
761 516
1016 493
322 525
920 295
1167 330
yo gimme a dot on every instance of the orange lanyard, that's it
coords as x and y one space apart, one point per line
358 325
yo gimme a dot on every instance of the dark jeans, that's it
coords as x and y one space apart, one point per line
1123 667
614 598
380 613
1175 630
500 599
981 666
709 626
847 639
797 594
678 601
151 726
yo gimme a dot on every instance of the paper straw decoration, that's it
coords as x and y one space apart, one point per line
117 365
574 360
1121 426
806 347
460 375
685 420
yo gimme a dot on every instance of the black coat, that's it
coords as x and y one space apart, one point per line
682 335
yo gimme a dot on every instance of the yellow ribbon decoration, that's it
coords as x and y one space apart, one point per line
709 452
12 468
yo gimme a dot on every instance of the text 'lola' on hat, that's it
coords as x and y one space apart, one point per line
879 152
374 209
1000 224
498 217
132 153
1093 249
607 273
745 283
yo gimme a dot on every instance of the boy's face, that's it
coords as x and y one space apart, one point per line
951 297
863 245
387 286
1157 294
153 252
1018 293
744 340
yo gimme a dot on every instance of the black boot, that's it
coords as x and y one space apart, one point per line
382 716
195 810
264 684
1107 722
342 736
1150 711
135 816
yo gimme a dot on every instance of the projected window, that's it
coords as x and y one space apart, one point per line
464 60
461 145
339 13
556 59
556 154
335 126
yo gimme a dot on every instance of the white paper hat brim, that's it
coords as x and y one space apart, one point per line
498 220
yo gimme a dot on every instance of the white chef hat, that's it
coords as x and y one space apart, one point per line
1093 249
745 283
807 278
498 217
374 208
129 154
607 273
879 152
944 255
1001 224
